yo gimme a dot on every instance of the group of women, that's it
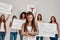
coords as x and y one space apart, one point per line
29 28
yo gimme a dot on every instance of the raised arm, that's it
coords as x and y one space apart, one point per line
35 16
7 18
10 25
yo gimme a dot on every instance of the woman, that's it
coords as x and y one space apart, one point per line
13 32
39 20
53 20
29 28
3 26
23 18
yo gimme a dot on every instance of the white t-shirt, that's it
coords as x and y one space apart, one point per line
29 28
56 31
39 22
2 27
23 20
12 30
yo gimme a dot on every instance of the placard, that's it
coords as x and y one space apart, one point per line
5 8
47 29
17 24
32 8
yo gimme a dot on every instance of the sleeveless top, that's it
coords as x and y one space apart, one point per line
29 28
2 27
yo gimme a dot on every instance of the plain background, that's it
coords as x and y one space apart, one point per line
47 8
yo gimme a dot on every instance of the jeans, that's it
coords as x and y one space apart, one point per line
54 38
21 37
2 35
13 35
37 38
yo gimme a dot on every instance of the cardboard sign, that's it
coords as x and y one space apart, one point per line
17 24
47 29
5 8
31 7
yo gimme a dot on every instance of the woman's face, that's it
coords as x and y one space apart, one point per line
39 16
15 17
29 18
2 17
23 15
52 19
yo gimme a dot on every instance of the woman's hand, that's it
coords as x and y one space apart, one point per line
32 33
7 17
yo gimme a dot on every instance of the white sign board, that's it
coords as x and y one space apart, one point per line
47 29
31 7
17 24
5 8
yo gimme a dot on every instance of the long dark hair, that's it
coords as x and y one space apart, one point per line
38 17
32 23
54 20
22 14
3 21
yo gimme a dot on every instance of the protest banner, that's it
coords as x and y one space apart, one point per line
17 24
5 8
47 29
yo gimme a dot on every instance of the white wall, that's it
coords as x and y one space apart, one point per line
46 7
